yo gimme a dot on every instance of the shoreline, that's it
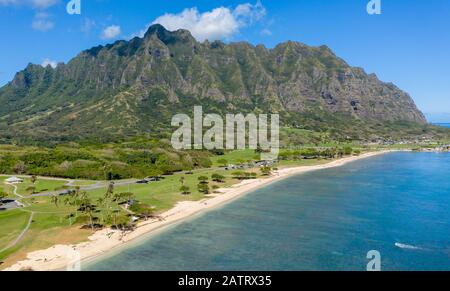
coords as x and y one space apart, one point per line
106 241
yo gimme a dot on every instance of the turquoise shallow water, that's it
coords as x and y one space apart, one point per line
397 204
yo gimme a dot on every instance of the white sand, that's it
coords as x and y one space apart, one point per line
104 241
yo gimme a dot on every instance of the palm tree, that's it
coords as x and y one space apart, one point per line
76 200
114 214
68 201
110 189
128 195
88 209
101 202
55 200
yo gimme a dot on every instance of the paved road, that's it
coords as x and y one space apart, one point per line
98 185
10 205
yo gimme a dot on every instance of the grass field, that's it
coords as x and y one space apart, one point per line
164 194
3 187
41 185
12 222
83 183
236 157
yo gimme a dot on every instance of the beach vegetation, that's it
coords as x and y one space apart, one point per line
203 188
203 179
348 150
185 190
266 170
243 175
218 178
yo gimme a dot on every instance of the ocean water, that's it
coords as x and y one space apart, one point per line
443 124
397 204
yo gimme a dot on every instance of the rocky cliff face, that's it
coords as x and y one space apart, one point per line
131 86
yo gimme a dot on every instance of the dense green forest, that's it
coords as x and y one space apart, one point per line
133 159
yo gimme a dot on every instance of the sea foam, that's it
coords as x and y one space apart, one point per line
405 246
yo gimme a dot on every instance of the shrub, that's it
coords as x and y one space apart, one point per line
348 150
238 175
218 178
185 190
266 171
203 188
203 179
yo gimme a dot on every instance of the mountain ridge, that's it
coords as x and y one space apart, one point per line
127 87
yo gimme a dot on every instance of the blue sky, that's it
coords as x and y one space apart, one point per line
408 44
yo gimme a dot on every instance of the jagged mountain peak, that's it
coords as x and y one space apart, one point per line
125 86
168 37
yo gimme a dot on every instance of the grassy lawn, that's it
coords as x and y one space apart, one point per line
41 185
6 188
12 223
84 183
164 194
45 205
236 157
3 188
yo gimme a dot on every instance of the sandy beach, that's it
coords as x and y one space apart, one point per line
103 242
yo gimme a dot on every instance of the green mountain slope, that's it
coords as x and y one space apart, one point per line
134 87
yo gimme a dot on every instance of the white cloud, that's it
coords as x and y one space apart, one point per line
39 4
41 19
8 2
111 32
248 13
216 24
42 22
48 62
87 25
266 32
219 23
42 4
